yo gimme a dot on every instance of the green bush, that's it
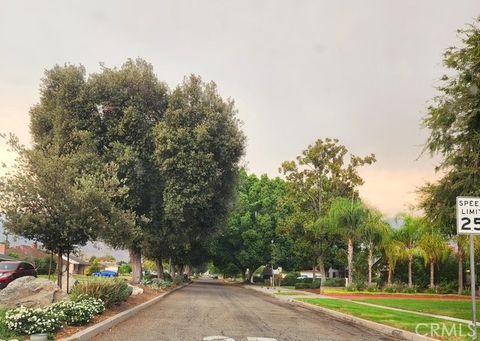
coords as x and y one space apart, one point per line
302 285
42 264
167 277
160 284
258 279
125 269
395 288
94 267
351 288
410 290
290 279
448 287
372 288
315 284
334 282
178 280
110 291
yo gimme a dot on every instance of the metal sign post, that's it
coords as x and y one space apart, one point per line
468 222
472 286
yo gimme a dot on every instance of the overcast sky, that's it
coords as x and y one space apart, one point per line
360 71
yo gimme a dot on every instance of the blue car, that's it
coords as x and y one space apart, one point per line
105 273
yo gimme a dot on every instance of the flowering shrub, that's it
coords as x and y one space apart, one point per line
48 320
32 321
79 312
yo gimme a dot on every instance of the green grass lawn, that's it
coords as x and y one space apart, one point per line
395 319
458 309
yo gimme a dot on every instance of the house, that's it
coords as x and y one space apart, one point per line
331 273
77 266
108 263
27 251
3 256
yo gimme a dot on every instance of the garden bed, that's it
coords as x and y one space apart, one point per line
131 302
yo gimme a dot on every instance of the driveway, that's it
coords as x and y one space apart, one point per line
209 308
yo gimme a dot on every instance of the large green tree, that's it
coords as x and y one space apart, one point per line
453 120
129 103
321 173
199 148
246 242
46 199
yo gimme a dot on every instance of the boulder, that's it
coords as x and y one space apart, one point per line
135 290
31 292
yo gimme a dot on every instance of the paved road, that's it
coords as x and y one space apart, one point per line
206 309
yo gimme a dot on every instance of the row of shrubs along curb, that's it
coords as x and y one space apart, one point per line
381 328
98 328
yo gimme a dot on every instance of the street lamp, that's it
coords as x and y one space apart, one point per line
271 264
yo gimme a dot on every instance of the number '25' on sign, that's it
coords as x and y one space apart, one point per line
468 215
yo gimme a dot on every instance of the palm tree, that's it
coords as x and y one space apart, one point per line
393 250
409 235
434 250
373 233
348 217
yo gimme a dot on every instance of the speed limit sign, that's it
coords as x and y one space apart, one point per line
468 215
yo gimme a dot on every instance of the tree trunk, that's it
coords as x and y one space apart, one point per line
50 265
370 265
410 277
59 269
461 257
188 270
432 275
172 268
390 275
321 267
159 264
350 262
136 261
68 272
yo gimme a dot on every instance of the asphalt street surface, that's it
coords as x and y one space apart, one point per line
207 309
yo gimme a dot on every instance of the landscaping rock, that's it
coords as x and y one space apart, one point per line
136 290
31 292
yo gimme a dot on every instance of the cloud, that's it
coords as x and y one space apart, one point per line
393 191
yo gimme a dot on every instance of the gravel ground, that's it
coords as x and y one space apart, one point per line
210 308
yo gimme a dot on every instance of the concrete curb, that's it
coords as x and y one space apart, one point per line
381 328
98 328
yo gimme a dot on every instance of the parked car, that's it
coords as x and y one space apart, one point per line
10 271
105 273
